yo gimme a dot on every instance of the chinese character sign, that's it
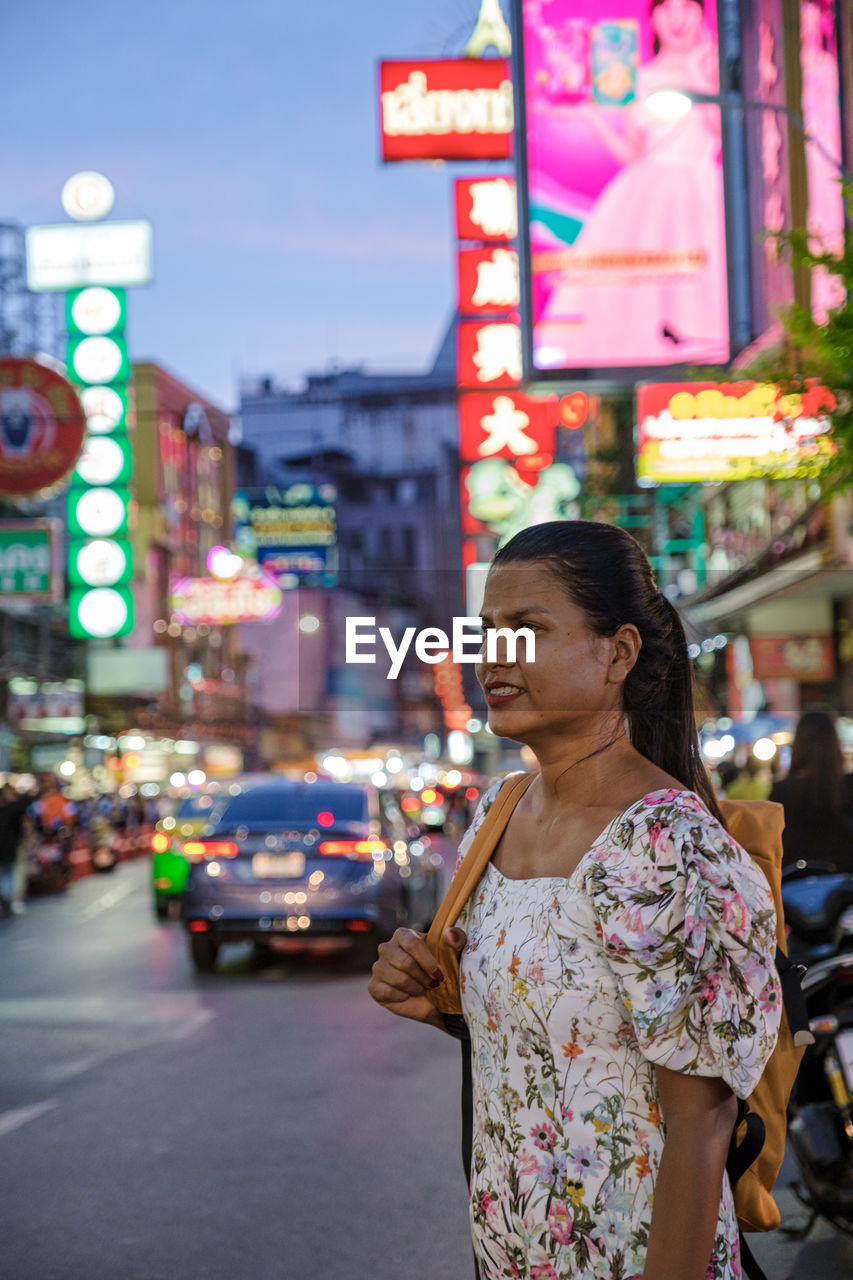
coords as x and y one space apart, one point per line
626 226
486 209
489 354
488 280
507 425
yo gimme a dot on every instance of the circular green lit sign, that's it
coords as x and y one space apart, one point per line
101 613
97 360
100 562
105 460
104 407
95 310
99 512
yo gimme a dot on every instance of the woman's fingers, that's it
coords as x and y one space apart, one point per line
405 966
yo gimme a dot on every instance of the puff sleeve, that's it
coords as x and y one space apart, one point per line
687 923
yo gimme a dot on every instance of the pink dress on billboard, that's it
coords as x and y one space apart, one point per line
666 201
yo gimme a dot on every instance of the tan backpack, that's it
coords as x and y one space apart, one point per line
758 1144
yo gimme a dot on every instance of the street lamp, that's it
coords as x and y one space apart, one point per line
674 104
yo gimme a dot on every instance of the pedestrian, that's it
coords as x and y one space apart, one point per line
750 782
13 809
817 796
617 956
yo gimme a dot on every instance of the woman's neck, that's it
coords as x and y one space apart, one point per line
584 768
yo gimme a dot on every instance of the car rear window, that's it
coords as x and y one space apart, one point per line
309 806
194 807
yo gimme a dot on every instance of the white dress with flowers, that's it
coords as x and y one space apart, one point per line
658 949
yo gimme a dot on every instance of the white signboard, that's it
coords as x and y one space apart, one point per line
69 257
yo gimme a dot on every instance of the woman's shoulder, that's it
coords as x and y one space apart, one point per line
486 801
667 828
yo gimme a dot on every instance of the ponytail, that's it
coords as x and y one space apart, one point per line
659 704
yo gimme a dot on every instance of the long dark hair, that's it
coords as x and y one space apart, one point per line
817 764
606 573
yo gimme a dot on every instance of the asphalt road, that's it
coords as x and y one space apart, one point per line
260 1124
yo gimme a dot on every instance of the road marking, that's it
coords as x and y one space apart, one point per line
10 1120
106 901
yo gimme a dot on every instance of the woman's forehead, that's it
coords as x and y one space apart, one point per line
523 585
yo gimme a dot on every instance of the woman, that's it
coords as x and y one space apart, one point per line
617 976
818 797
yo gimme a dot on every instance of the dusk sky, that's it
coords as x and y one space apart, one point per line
247 133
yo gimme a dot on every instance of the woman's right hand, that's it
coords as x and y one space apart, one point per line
405 970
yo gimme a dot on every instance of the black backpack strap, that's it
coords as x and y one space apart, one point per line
740 1157
456 1026
748 1265
741 1154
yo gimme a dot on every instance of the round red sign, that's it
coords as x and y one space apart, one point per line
42 427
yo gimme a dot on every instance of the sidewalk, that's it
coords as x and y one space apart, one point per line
824 1255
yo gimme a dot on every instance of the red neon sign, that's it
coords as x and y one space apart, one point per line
487 280
488 353
446 109
506 424
486 209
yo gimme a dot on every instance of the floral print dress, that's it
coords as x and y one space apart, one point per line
658 949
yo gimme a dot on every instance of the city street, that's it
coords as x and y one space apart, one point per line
264 1123
268 1122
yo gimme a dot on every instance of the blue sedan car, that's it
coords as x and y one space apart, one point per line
306 865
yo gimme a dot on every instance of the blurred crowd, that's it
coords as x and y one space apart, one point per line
40 825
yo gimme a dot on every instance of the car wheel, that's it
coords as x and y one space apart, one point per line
161 908
203 951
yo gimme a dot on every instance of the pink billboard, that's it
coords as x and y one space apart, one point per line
822 118
626 222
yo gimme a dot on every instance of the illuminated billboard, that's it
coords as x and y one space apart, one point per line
291 532
107 253
695 431
446 109
823 144
252 597
624 222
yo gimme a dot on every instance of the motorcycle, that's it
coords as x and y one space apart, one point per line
49 862
102 845
818 903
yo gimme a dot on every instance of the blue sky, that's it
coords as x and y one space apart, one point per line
247 133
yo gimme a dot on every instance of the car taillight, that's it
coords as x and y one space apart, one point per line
160 842
360 849
195 850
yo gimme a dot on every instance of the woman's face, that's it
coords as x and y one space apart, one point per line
678 25
566 685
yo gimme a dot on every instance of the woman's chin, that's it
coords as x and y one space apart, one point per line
507 722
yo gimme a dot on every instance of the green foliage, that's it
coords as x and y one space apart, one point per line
809 351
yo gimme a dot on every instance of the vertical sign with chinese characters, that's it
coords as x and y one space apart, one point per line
492 420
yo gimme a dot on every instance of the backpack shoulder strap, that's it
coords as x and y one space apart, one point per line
463 884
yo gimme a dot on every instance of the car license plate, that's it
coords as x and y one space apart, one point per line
844 1049
278 866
